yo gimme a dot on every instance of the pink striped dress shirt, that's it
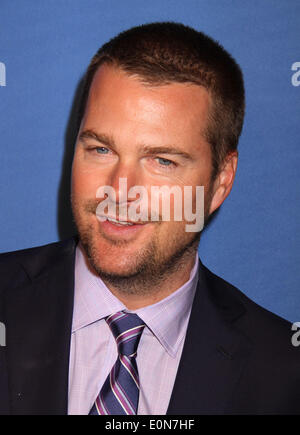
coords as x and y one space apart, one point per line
94 350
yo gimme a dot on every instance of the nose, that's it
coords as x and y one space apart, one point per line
124 176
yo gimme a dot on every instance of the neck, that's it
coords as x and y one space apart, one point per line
140 291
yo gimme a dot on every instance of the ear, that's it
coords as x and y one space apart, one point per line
224 181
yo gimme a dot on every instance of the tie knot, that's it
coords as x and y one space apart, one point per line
127 329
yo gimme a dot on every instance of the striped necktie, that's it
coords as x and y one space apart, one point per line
120 392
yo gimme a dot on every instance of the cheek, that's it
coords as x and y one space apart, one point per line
84 181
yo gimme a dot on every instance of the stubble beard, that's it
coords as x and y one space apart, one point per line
150 267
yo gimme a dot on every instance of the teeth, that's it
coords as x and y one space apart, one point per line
119 222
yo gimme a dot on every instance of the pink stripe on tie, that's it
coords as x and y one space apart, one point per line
116 317
126 336
100 406
126 363
120 395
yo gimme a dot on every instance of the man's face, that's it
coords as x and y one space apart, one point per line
152 136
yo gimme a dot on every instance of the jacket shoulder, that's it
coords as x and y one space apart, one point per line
227 294
270 334
17 267
272 369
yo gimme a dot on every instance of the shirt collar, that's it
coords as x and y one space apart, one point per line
167 319
92 299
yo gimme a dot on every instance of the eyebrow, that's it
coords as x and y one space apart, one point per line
149 150
99 137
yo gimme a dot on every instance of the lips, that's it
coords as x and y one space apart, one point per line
119 222
115 231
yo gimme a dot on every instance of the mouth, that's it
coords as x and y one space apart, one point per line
119 222
116 228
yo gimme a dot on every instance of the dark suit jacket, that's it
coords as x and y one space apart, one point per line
237 357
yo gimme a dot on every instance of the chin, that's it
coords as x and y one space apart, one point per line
111 260
114 267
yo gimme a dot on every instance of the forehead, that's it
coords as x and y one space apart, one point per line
110 81
175 109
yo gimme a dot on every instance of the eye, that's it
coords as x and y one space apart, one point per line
165 162
101 150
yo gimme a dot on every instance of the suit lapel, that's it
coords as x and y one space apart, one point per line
214 352
39 319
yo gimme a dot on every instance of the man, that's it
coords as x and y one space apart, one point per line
126 319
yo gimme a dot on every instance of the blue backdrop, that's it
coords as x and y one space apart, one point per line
45 46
